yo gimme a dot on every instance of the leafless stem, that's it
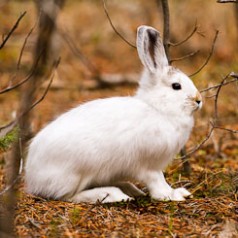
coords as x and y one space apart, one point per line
9 88
8 127
87 63
209 55
18 84
216 99
114 28
187 38
218 85
234 75
209 134
184 57
5 39
56 64
25 42
227 1
166 32
226 129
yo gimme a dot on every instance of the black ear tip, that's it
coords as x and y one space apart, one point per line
153 35
151 32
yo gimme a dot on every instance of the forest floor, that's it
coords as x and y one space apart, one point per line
211 212
213 176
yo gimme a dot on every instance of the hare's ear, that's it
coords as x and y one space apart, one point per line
150 49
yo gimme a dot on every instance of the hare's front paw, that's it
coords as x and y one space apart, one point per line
178 194
162 195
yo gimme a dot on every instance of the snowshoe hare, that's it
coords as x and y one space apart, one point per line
90 152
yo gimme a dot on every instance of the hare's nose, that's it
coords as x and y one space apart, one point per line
198 98
199 103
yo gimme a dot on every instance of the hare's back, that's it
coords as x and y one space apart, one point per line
99 121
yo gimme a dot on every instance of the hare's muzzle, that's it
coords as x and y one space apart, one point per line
198 100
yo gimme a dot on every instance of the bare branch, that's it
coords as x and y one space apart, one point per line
216 99
9 88
218 85
18 84
166 32
227 1
8 127
103 80
25 41
234 75
12 30
226 129
184 57
209 55
188 37
114 28
55 66
87 63
4 130
208 136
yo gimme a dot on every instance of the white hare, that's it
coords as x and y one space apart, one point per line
89 153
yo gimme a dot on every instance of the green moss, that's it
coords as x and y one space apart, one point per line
54 230
75 215
6 141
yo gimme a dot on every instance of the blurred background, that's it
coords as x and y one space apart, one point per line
96 63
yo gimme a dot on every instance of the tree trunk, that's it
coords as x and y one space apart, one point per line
48 11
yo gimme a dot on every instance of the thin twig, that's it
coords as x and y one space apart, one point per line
209 134
184 57
8 127
114 28
227 1
234 75
9 88
55 66
12 30
216 99
218 85
188 37
204 181
226 129
18 84
209 55
25 42
79 54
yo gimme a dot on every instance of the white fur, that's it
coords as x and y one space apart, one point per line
88 153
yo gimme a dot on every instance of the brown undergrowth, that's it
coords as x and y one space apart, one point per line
211 212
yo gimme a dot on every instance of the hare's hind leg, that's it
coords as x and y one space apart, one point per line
100 194
130 189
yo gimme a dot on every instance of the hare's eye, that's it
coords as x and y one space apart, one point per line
176 86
